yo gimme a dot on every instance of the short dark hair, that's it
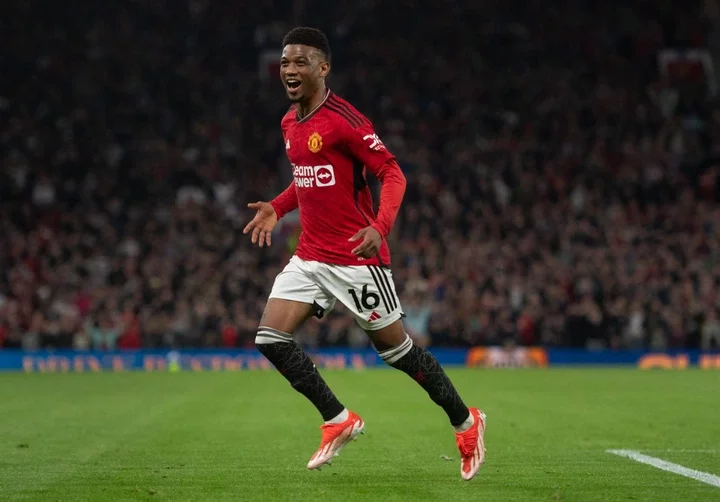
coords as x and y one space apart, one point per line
312 37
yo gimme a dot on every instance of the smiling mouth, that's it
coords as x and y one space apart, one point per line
293 84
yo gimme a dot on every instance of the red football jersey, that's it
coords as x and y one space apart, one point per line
329 150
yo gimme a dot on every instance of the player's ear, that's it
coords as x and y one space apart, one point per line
324 69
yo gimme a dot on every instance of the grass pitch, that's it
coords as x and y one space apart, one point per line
248 436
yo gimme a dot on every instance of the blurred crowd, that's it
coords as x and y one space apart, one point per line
562 191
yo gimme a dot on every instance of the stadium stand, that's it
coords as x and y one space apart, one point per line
562 178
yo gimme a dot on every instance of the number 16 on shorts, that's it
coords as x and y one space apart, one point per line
367 291
375 303
367 300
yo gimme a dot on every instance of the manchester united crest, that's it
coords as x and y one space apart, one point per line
315 142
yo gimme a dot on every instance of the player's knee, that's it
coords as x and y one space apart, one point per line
394 354
266 336
390 335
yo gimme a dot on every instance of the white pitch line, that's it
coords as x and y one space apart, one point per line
681 451
664 465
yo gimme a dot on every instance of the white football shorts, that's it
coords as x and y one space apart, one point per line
368 291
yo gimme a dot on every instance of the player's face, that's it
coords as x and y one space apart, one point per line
302 71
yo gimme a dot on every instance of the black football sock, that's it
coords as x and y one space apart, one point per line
425 369
296 366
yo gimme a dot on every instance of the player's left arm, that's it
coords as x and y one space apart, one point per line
368 149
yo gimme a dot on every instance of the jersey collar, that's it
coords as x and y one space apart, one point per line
314 110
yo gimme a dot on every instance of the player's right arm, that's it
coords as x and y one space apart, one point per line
286 202
268 214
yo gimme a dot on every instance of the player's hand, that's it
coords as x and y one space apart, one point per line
370 245
262 224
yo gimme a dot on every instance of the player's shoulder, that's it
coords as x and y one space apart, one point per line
344 112
289 115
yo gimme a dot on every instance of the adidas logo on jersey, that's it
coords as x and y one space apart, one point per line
374 316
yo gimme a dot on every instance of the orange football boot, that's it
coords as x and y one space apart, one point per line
334 438
471 444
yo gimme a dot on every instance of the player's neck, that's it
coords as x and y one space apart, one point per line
306 108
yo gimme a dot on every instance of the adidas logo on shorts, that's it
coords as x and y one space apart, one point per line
374 316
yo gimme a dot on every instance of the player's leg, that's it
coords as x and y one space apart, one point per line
397 350
295 298
369 292
274 339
